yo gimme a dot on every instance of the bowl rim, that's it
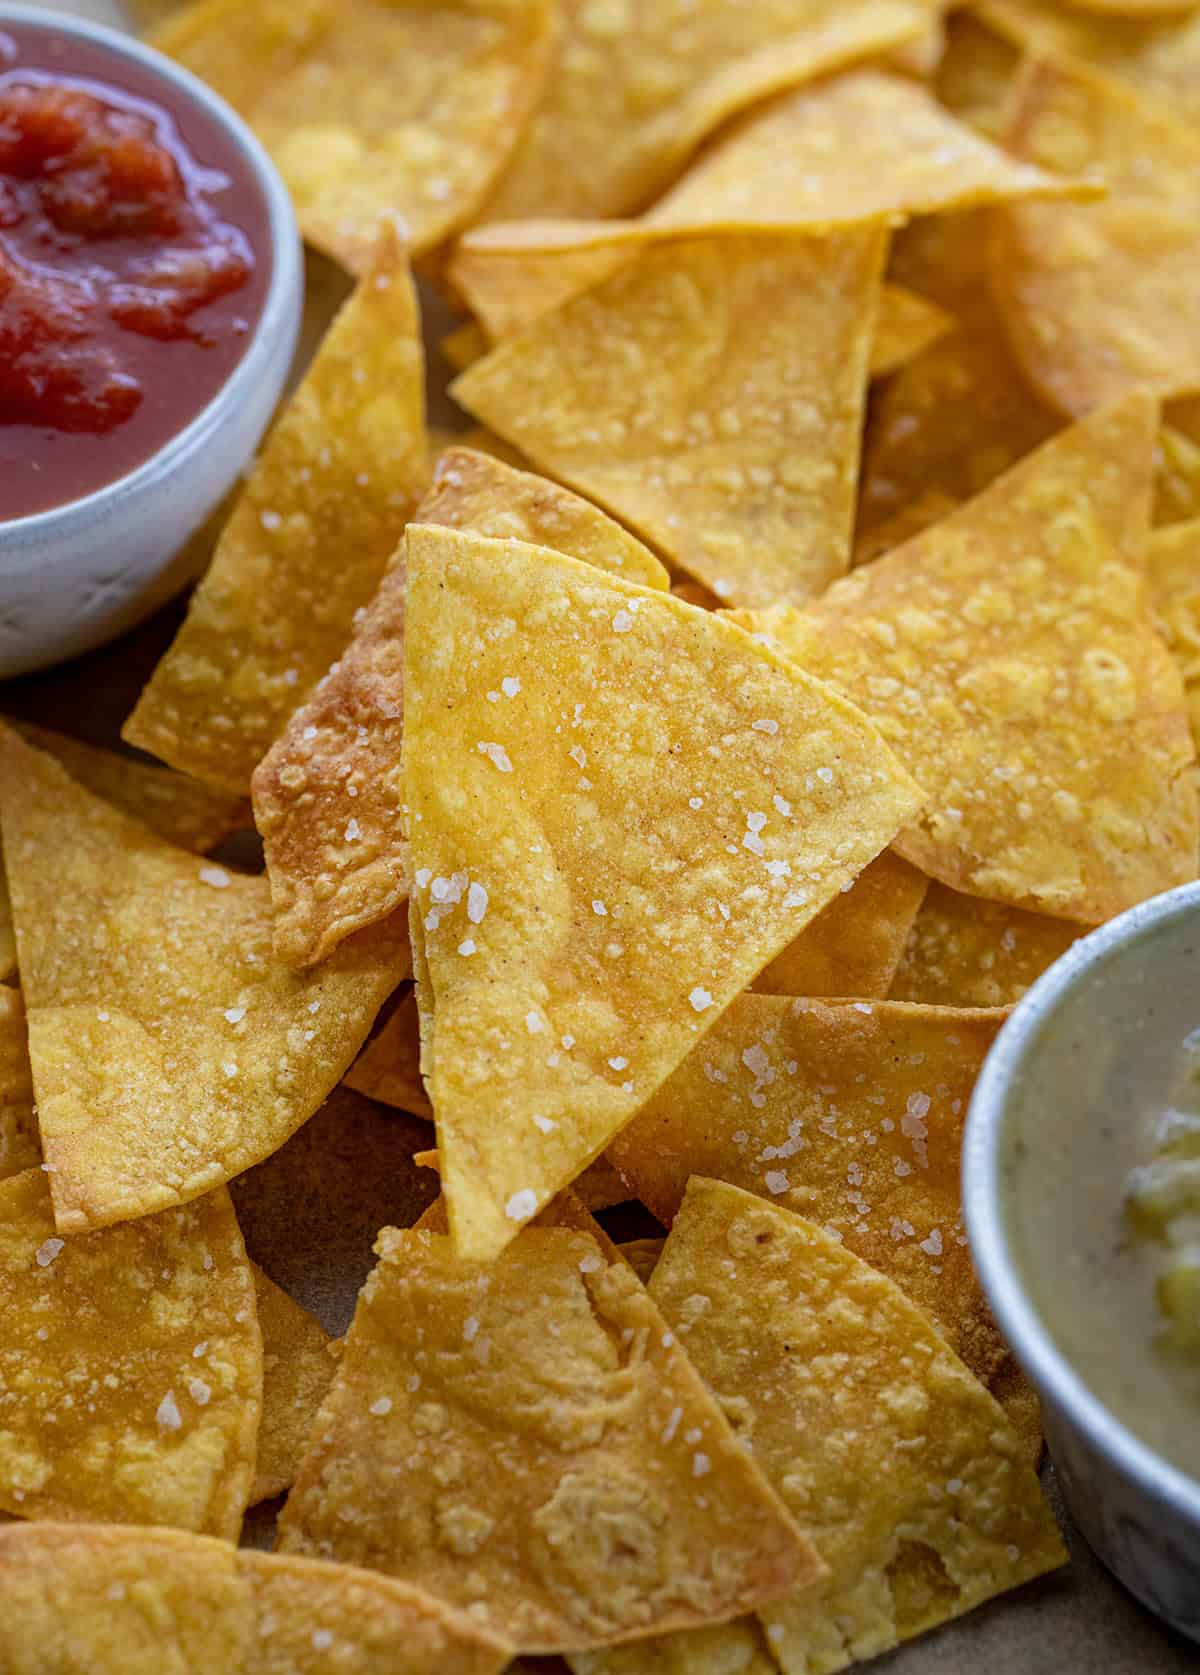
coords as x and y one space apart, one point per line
1016 1315
276 327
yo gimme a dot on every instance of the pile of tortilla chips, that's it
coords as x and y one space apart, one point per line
671 765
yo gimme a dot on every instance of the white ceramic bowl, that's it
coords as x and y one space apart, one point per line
81 573
1051 1062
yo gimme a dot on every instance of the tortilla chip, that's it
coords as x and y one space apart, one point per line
306 545
878 1438
130 1366
1177 468
373 109
905 327
1008 656
1022 1408
161 1602
710 395
327 798
8 938
737 1648
641 1255
553 1493
851 1114
1101 298
389 1067
600 1187
854 945
464 345
19 1147
297 1371
633 91
968 952
976 72
170 1051
919 514
571 960
148 14
921 56
1173 572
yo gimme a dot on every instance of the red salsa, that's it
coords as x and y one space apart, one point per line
134 261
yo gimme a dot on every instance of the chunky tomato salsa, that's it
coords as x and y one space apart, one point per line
134 260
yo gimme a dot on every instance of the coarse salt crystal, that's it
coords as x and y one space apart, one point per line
477 902
382 1406
467 946
599 907
776 1181
353 831
521 1205
216 876
622 622
701 1465
533 1023
700 999
46 1252
234 1014
765 725
546 1124
510 686
199 1391
167 1414
496 755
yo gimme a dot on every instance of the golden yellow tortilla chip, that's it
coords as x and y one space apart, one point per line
464 345
571 958
374 108
389 1067
736 1648
1173 573
19 1147
710 395
633 90
526 1437
975 74
1008 656
1022 1408
967 952
906 326
297 1371
882 1444
161 1602
928 508
131 1366
1099 299
307 542
327 797
641 1255
853 946
1177 468
848 1113
170 1049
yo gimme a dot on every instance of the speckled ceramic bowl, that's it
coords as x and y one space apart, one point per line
1139 1513
81 573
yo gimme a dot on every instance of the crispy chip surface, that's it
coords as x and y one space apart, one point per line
19 1147
853 946
737 1648
710 395
138 1601
880 1441
968 952
130 1366
327 797
635 88
297 1371
976 72
906 326
307 542
374 108
170 1050
604 856
519 1435
850 1114
1008 655
1101 298
389 1067
1173 572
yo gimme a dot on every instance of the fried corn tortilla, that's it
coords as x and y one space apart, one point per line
565 959
1177 473
1101 298
307 543
905 327
526 1437
1009 657
710 395
389 1067
1173 572
170 1050
736 1648
975 73
159 1602
641 1255
634 89
19 1147
968 952
297 1371
327 797
374 108
912 1482
131 1366
848 1113
854 945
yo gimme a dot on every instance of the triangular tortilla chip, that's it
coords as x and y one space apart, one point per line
526 1438
968 952
130 1366
881 1442
371 109
901 526
19 1148
1177 468
327 796
1173 572
160 1602
710 395
976 72
1101 298
641 1255
905 327
389 1067
306 544
605 857
853 946
170 1050
297 1371
1009 657
851 1114
737 1648
632 91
